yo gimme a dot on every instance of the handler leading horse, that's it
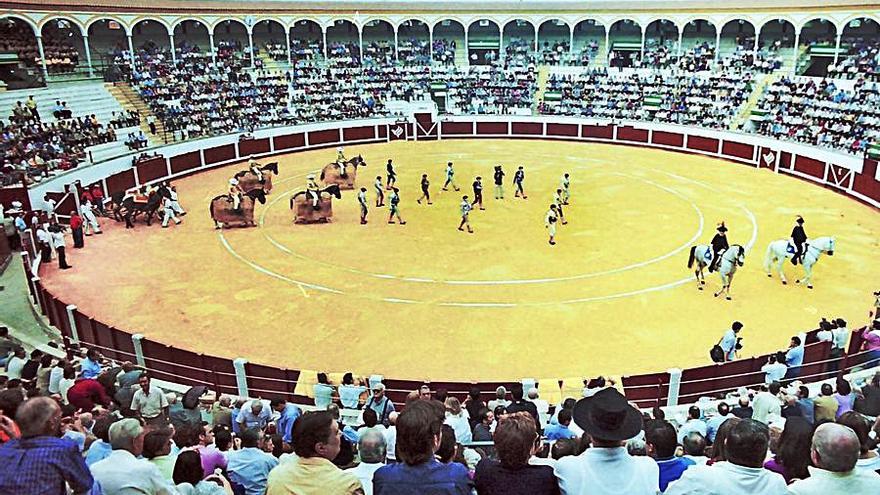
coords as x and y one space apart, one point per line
779 251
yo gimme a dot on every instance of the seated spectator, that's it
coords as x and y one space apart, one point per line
316 441
834 452
869 458
694 447
212 459
826 405
380 403
767 403
249 467
560 430
793 454
483 430
157 449
39 462
806 405
188 477
350 393
518 404
606 467
418 437
456 419
564 447
715 421
473 404
661 442
371 450
693 423
745 449
91 365
123 471
221 412
516 441
743 410
844 396
100 448
869 403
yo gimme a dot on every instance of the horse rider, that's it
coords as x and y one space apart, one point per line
235 194
142 196
799 239
313 190
255 169
450 177
340 160
719 246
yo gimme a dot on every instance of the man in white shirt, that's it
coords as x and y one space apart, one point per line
606 467
122 472
16 364
742 473
542 405
767 404
693 424
835 451
774 371
500 400
390 435
150 402
371 449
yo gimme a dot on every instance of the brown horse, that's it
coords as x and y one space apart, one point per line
331 174
247 180
224 216
304 212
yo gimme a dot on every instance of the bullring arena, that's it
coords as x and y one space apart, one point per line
685 130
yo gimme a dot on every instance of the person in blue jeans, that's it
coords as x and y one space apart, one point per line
418 472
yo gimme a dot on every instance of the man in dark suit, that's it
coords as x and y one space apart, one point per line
799 239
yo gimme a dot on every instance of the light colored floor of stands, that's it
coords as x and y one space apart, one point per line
427 301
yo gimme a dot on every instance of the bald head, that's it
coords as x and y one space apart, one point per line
835 448
38 416
371 446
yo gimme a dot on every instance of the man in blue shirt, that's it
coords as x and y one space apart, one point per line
716 421
253 416
661 441
560 429
41 463
728 342
418 437
91 365
250 466
794 357
289 413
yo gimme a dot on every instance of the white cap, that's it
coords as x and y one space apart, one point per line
339 149
310 177
233 181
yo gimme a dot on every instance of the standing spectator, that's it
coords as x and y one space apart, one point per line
324 392
826 404
418 437
316 440
869 458
381 404
31 366
516 441
660 439
289 413
693 424
58 244
519 404
741 473
91 365
221 413
350 393
253 416
455 418
55 376
793 454
844 396
16 363
606 467
98 198
76 229
249 467
834 452
794 357
372 450
31 105
123 472
150 403
473 404
89 219
774 370
43 374
40 463
767 403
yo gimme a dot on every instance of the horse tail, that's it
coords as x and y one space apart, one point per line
692 257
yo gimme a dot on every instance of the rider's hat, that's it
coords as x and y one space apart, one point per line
800 220
310 177
721 227
233 181
339 149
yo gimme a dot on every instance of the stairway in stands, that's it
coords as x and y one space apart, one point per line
541 87
129 99
750 107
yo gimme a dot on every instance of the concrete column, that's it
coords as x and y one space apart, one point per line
680 38
607 46
837 49
571 41
36 282
131 52
173 54
755 49
88 54
138 349
431 43
642 49
213 50
674 386
535 45
717 44
251 47
74 334
361 46
240 376
289 55
467 50
42 58
794 56
396 47
324 32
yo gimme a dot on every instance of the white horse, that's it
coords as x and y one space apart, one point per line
701 255
784 249
732 258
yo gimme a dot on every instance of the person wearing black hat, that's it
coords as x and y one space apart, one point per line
719 246
478 192
392 175
499 182
606 467
799 239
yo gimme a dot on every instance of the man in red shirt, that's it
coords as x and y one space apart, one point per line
98 198
86 393
76 228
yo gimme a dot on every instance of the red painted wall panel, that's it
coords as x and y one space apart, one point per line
491 127
567 130
864 183
809 166
356 133
739 150
632 134
527 128
152 169
597 131
253 147
219 154
186 161
324 137
289 141
702 144
668 138
120 182
457 128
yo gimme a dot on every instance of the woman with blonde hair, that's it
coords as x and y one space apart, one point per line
457 420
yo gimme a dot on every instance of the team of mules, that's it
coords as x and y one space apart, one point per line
224 215
305 211
331 173
248 180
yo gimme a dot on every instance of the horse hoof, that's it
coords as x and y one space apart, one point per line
699 287
728 298
769 275
797 281
784 282
702 282
809 286
716 295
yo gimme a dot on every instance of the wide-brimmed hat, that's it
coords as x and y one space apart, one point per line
721 227
800 220
608 416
